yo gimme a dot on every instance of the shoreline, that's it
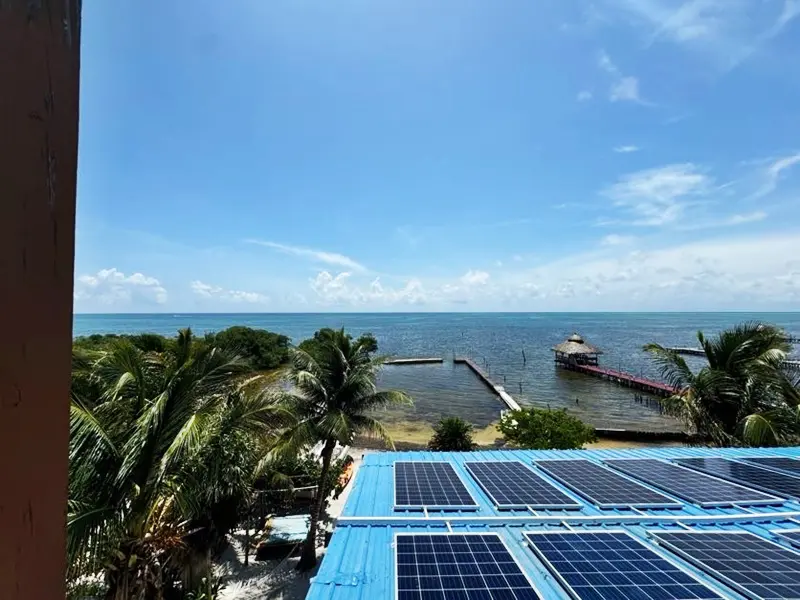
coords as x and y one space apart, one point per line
414 435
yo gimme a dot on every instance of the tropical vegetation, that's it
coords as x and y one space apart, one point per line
452 434
743 395
545 429
333 400
173 439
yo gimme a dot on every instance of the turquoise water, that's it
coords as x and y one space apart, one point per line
496 341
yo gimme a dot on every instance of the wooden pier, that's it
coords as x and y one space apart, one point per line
497 389
413 361
574 354
688 351
656 388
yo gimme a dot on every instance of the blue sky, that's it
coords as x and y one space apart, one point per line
256 156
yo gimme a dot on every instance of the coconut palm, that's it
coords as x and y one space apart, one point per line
174 439
333 398
744 395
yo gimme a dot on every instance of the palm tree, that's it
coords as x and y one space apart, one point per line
333 400
174 439
452 434
744 395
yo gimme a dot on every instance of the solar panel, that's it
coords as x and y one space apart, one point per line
511 484
605 488
699 488
750 475
433 485
613 565
792 536
781 463
458 566
753 565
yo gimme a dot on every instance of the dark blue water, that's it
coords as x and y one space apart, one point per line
495 341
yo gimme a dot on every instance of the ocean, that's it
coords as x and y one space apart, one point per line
514 348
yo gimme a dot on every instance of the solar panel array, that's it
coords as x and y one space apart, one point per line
614 566
699 488
792 536
770 481
511 484
430 485
605 488
757 567
782 463
458 566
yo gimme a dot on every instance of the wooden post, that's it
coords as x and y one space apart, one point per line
39 78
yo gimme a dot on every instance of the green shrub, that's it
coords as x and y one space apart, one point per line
314 345
452 434
545 429
264 349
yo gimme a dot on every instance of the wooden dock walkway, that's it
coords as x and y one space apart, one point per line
689 351
621 378
497 389
413 361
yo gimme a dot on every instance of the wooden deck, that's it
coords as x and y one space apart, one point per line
621 378
497 389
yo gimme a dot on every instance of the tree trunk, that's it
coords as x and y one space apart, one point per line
308 559
39 79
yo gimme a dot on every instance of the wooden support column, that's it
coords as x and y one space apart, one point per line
39 78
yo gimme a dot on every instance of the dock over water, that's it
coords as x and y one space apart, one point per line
413 361
649 386
497 389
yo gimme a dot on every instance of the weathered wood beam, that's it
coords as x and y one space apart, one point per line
39 79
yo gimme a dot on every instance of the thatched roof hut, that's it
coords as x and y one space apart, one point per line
575 350
575 344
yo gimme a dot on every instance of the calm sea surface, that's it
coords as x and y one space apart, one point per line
496 341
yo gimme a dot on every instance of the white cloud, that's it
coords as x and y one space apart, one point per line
475 278
110 286
772 173
624 88
517 258
617 240
626 149
584 96
733 272
659 196
330 258
213 291
725 31
337 290
752 217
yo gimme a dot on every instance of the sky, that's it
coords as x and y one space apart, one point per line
448 155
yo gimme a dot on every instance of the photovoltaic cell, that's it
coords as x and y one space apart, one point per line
699 488
791 536
753 565
511 484
457 566
781 463
605 488
749 475
613 565
430 485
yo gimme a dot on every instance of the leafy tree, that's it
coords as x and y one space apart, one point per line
316 345
744 395
545 429
334 398
452 434
159 463
264 349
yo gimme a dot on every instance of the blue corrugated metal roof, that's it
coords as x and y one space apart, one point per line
359 562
